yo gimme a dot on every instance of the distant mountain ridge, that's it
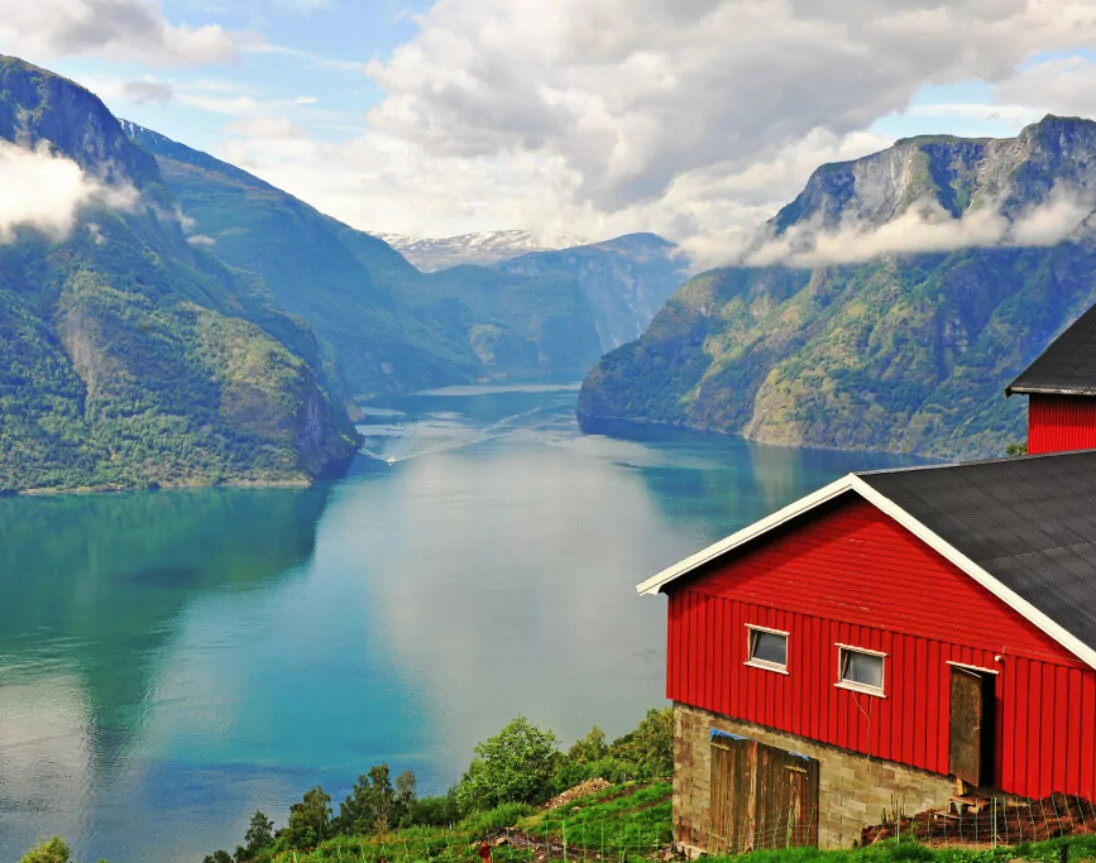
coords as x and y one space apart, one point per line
626 280
391 328
886 307
129 357
484 248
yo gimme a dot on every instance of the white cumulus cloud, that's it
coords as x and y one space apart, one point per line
117 30
44 191
632 93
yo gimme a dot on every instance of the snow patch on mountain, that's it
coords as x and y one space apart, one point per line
431 254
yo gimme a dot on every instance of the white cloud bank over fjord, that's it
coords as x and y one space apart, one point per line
927 227
44 191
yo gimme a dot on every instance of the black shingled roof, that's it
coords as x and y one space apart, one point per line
1067 367
1029 522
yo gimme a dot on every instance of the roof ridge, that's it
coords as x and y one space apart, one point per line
1016 459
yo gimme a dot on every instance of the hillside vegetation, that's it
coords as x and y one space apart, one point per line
129 358
502 801
904 351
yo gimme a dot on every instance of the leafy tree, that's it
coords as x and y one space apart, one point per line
218 857
514 766
436 811
259 836
374 805
651 745
407 792
309 820
589 748
53 850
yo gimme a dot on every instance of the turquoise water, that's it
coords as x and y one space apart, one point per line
172 661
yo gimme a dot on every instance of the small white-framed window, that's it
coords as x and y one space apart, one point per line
860 669
768 648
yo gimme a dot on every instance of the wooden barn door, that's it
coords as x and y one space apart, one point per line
732 796
973 726
761 797
788 795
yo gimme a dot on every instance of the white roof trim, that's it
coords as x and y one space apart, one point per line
851 482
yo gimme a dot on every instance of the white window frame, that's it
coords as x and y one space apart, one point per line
765 664
852 686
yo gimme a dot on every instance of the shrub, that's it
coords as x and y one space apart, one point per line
651 745
436 811
517 765
506 815
54 850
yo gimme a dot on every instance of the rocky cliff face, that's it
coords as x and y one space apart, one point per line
904 350
129 357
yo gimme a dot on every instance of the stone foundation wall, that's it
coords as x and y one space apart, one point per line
853 789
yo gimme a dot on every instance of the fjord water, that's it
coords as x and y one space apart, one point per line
172 661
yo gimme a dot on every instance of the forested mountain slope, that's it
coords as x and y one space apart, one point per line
128 356
885 308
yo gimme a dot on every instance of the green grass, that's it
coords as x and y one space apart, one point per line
1081 848
628 822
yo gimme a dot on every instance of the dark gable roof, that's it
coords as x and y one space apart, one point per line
1067 367
1029 522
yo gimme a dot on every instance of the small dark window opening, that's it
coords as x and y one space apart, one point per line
861 670
768 649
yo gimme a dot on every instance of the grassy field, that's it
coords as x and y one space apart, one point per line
625 823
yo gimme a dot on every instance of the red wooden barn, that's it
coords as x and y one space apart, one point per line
863 648
1061 384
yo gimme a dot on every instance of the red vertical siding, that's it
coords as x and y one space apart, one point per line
1061 423
850 574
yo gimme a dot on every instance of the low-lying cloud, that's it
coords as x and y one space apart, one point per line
924 228
45 191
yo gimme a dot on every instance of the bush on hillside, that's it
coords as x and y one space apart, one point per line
53 850
517 765
650 746
436 811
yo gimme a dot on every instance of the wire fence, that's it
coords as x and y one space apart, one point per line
571 843
971 823
983 822
991 821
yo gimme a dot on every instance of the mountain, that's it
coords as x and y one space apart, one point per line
391 327
625 280
128 356
484 248
885 308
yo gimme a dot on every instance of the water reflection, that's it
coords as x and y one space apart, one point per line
92 593
176 660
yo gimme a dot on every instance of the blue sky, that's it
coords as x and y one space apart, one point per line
595 117
333 41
